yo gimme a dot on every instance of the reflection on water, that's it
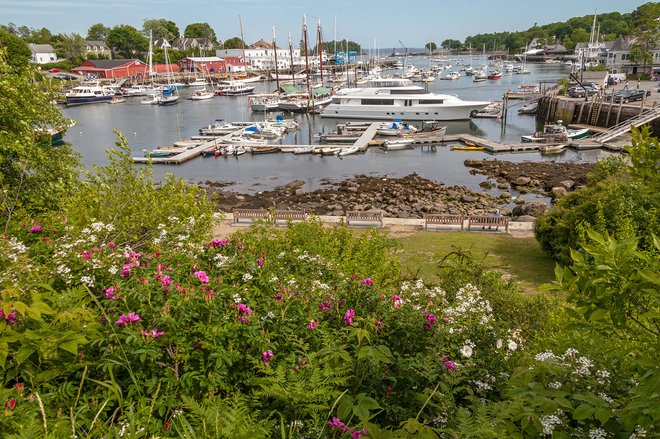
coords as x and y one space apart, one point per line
148 126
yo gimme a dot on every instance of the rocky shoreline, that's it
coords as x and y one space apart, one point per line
414 196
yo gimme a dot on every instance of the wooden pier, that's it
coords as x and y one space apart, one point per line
369 139
363 142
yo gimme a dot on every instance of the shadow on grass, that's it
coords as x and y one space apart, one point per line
520 259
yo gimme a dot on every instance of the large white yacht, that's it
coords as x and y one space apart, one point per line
388 98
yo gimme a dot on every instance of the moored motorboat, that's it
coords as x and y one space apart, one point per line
201 95
467 147
408 102
556 133
397 144
553 149
347 151
117 100
88 94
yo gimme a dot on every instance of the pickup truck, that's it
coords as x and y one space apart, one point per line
626 96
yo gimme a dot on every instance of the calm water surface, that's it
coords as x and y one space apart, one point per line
148 126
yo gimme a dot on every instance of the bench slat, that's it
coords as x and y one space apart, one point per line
364 217
489 220
443 219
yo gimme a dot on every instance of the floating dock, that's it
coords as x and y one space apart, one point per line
366 140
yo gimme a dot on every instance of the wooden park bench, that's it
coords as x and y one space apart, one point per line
443 219
249 214
489 221
369 217
290 215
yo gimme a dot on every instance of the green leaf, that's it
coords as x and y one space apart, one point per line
599 314
4 351
584 411
70 346
23 354
603 415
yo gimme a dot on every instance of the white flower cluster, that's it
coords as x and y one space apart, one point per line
549 422
247 277
268 316
470 306
220 260
16 248
602 377
418 289
597 433
321 285
581 365
639 432
87 280
555 385
237 298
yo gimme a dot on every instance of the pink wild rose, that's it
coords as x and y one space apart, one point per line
35 229
201 275
126 319
312 325
349 316
267 355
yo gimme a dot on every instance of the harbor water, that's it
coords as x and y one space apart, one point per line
150 126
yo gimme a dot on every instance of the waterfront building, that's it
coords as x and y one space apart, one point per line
193 43
261 56
208 64
98 49
42 53
619 60
120 68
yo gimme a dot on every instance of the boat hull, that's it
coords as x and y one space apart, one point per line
455 112
83 100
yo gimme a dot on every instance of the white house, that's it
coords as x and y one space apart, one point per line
42 53
261 56
618 58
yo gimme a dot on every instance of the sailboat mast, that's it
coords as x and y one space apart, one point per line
320 49
277 74
293 73
151 55
240 22
309 90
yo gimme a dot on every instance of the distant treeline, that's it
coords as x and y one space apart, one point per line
568 33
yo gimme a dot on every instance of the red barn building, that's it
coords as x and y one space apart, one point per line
121 68
207 64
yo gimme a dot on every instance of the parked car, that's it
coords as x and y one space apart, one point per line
626 96
588 89
54 70
65 76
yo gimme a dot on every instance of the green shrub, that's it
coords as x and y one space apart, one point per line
621 201
122 202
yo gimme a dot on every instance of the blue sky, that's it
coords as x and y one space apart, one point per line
387 21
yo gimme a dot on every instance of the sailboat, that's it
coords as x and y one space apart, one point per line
170 95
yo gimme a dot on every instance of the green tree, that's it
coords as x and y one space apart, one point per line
646 28
98 32
161 28
17 53
41 36
431 46
233 43
329 46
200 30
34 176
70 46
126 40
450 44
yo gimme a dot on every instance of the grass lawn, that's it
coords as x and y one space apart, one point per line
520 258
